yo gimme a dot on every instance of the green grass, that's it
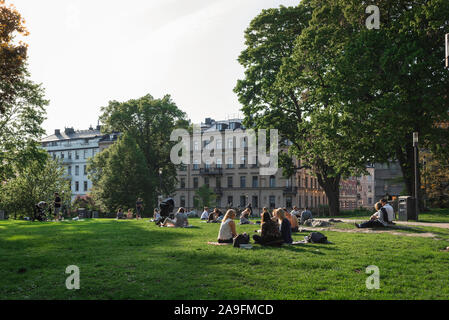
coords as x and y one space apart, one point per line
137 260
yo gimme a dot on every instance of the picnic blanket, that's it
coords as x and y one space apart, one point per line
218 244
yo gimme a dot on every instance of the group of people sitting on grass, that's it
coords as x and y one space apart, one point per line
130 214
275 229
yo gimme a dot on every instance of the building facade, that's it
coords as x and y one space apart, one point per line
74 149
235 181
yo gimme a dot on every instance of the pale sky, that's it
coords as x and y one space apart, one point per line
86 53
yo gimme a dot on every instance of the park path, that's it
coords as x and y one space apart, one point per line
405 223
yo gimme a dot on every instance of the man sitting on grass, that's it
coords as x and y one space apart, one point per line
379 219
205 214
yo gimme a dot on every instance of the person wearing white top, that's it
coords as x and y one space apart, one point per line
389 208
227 228
205 214
295 212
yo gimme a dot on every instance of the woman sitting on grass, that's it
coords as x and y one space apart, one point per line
379 219
130 214
213 216
284 225
120 214
180 220
227 228
244 217
270 234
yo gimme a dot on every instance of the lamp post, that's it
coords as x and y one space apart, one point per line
160 186
415 146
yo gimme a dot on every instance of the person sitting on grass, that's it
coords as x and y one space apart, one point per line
284 225
295 212
377 220
180 220
227 230
293 221
120 214
213 216
244 217
130 214
270 234
305 215
205 214
265 210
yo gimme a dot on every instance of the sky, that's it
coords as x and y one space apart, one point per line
87 53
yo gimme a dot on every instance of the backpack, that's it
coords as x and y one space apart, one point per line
316 237
242 238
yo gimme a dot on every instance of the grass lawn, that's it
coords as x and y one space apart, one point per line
137 260
433 215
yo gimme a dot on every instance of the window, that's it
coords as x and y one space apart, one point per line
242 182
69 155
369 188
183 183
272 182
218 182
242 201
85 170
230 143
219 144
206 181
230 163
288 202
196 146
255 181
183 167
196 165
219 164
62 155
230 182
195 182
69 170
370 200
255 202
207 164
272 202
77 186
86 154
242 162
77 156
230 201
85 185
77 170
306 180
243 143
182 201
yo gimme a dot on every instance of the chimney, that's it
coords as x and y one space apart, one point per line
57 132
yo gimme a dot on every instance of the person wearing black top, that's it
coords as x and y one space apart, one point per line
285 226
57 205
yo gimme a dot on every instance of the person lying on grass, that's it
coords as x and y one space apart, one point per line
227 230
293 221
284 225
379 219
180 220
270 234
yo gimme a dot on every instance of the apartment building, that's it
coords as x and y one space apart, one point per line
74 148
235 180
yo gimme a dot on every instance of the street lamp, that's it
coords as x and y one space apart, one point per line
415 146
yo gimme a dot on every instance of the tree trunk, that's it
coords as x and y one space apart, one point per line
406 158
331 186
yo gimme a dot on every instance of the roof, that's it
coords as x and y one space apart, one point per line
72 135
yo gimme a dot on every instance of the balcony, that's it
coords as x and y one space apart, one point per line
211 171
290 190
218 191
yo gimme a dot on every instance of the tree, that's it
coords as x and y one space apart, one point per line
205 196
273 98
389 82
435 176
38 181
120 175
22 103
149 122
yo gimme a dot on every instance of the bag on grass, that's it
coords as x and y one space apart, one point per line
242 238
316 237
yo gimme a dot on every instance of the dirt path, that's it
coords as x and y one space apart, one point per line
390 231
405 223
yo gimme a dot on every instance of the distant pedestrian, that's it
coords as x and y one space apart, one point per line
205 214
57 205
139 208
